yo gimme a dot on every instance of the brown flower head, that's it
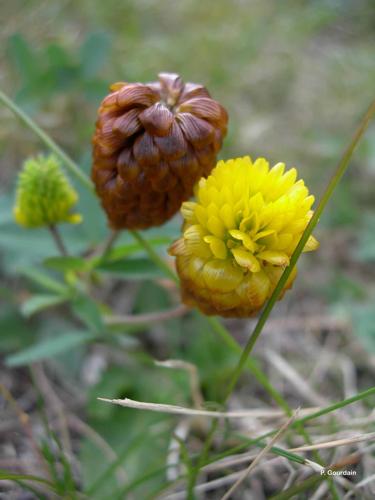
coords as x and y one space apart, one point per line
152 143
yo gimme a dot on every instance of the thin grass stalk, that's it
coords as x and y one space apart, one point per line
48 141
259 441
335 179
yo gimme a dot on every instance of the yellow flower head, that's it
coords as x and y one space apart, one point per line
240 234
44 195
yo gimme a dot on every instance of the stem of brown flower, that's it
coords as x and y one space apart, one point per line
58 240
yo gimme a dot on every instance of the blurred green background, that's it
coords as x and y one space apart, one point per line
295 77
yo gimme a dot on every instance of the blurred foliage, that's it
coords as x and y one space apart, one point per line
294 76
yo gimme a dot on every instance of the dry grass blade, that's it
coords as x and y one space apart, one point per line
173 462
56 405
244 458
25 423
294 378
260 455
202 488
360 485
180 410
338 442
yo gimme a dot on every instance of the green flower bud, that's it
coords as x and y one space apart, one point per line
44 195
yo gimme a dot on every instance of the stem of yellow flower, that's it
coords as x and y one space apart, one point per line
337 176
215 325
58 240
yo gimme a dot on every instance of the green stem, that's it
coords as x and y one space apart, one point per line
222 332
154 256
108 245
340 170
338 405
294 490
50 143
58 240
259 441
216 326
303 420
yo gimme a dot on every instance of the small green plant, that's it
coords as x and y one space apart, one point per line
72 280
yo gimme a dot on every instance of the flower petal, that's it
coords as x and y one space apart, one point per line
157 119
221 275
312 244
275 258
217 246
246 259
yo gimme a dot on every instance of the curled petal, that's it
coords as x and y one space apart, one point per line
157 119
254 290
135 94
215 226
204 108
217 246
171 86
117 86
127 124
274 257
145 150
110 101
187 210
221 276
192 90
246 259
245 238
127 166
173 145
185 167
178 247
206 156
197 131
312 244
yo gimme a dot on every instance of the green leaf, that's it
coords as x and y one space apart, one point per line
48 348
135 269
66 263
366 244
131 248
44 280
16 333
88 312
23 58
11 476
94 53
39 302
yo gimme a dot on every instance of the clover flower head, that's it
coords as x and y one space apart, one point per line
153 142
44 195
239 235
